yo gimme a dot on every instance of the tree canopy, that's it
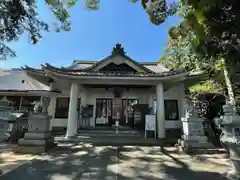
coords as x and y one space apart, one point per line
203 41
20 16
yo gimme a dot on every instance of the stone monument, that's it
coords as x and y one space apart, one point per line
38 139
231 138
193 137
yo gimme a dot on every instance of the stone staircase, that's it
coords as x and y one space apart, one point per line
111 132
109 137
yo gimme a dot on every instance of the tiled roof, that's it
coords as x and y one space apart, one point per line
157 68
79 66
85 68
153 66
19 81
33 69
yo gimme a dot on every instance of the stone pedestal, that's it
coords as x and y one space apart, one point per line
193 137
231 138
38 139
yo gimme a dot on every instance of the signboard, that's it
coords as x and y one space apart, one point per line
150 124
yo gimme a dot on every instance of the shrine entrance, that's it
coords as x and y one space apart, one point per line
128 111
123 110
109 110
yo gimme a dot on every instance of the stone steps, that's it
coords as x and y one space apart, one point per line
108 136
109 129
111 133
115 141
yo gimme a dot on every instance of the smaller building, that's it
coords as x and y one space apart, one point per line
22 90
116 87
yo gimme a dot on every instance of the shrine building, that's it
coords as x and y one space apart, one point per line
89 94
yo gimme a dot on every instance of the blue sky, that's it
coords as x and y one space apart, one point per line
93 35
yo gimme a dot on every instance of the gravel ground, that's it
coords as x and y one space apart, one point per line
9 160
87 162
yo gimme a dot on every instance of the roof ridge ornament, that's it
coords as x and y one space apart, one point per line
118 49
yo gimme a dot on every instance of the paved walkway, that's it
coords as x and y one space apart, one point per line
85 162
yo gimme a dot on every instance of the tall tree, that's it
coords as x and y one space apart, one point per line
179 53
180 50
216 26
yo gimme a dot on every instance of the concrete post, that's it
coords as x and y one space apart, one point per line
72 112
52 109
160 112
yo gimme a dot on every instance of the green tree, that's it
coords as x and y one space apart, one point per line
20 16
180 54
180 51
216 26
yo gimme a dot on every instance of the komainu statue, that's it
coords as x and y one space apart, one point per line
42 106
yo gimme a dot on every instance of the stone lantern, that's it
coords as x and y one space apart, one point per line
231 138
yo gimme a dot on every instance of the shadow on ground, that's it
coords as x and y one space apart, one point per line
184 172
9 165
9 160
88 162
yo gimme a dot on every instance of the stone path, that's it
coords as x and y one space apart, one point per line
85 162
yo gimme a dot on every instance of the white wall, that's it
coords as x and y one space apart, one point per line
60 122
144 96
175 93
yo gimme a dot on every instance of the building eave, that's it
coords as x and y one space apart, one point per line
49 66
34 70
28 92
38 74
115 76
